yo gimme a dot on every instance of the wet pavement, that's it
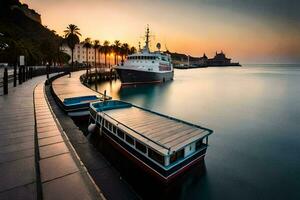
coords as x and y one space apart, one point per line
36 159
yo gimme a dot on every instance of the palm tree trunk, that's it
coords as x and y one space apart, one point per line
72 58
95 58
105 59
96 73
99 56
87 61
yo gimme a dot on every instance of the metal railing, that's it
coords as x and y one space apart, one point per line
18 75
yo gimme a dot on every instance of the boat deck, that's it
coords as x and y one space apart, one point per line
66 87
163 133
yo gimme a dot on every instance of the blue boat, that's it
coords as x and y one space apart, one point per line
79 106
161 145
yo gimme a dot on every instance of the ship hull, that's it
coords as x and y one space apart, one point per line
151 169
128 76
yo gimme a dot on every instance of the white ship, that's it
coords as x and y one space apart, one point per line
145 66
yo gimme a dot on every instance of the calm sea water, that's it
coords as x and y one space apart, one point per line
254 111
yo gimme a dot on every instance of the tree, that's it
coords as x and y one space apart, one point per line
116 49
106 49
87 45
132 50
124 51
100 50
96 47
72 37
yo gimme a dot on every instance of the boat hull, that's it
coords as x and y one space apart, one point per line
164 176
128 76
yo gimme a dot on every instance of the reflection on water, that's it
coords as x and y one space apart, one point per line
255 113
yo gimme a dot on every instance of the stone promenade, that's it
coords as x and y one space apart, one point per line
36 159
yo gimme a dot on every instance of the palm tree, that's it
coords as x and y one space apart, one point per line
100 50
116 48
96 46
72 37
87 45
132 50
124 51
106 49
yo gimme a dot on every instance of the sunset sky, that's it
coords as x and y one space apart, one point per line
249 31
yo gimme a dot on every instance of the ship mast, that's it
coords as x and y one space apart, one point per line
146 47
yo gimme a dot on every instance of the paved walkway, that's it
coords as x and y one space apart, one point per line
17 153
63 175
36 159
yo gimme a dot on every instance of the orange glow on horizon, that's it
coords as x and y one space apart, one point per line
179 28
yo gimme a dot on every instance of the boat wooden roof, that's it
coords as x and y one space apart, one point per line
162 133
66 87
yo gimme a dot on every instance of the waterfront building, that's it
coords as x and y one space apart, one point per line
203 60
80 53
219 60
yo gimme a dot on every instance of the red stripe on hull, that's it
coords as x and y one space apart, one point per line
135 83
147 168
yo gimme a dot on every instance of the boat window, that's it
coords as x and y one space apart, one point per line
199 144
177 156
110 126
120 133
156 156
114 129
140 147
129 139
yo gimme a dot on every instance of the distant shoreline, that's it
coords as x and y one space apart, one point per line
195 67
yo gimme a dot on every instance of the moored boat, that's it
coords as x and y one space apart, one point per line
79 106
161 145
146 66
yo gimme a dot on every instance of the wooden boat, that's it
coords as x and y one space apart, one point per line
79 106
161 145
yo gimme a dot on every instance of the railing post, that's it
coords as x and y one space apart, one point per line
47 71
20 76
30 72
5 81
23 73
26 73
15 75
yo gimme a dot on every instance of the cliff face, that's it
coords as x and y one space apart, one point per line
23 32
31 14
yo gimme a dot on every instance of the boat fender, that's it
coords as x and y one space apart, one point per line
92 128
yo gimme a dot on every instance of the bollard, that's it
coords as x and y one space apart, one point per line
15 75
47 71
26 73
5 81
30 72
20 76
23 74
96 80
